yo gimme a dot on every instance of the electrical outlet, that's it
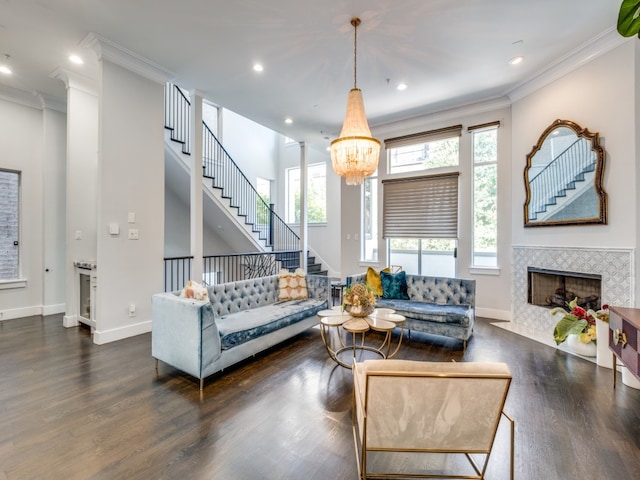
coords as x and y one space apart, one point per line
134 234
132 310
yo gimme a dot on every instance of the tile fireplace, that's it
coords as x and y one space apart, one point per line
613 266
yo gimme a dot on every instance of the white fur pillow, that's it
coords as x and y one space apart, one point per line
292 286
194 290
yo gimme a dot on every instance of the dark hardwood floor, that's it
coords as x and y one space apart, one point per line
70 409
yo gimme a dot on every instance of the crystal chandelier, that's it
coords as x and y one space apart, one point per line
354 154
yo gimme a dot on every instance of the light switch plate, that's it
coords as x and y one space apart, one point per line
114 229
132 217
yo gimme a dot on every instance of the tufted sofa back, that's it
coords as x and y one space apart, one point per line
438 290
234 297
442 290
242 295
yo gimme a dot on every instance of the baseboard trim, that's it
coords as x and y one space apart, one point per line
69 321
54 309
494 314
100 337
20 312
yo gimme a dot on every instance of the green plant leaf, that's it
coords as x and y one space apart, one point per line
566 326
629 18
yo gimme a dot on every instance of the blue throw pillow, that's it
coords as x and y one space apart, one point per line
394 285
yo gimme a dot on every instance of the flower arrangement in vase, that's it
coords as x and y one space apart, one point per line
578 327
359 300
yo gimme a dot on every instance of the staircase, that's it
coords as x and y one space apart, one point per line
562 181
222 174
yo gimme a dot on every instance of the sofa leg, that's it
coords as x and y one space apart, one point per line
464 346
201 384
156 365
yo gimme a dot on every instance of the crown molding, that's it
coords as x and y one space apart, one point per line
587 52
20 97
76 81
417 122
51 103
105 49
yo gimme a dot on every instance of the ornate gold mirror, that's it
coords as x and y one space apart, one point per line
563 178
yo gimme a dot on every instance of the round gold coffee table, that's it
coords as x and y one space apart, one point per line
343 325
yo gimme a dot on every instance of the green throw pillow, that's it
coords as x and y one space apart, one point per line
394 285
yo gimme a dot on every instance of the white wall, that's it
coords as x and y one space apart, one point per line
131 180
54 206
21 138
597 96
251 146
176 231
81 184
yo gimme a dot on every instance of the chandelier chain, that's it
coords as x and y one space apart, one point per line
355 22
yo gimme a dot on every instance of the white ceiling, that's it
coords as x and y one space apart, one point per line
450 53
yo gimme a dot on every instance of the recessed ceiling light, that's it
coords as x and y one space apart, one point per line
402 86
76 59
516 60
258 68
288 121
4 67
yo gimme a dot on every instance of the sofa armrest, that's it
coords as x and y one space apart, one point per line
357 278
319 287
184 333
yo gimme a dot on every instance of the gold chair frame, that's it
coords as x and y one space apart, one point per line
431 378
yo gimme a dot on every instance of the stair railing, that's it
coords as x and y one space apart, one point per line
232 267
176 116
559 175
227 176
219 167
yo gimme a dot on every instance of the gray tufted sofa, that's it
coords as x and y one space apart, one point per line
239 320
436 305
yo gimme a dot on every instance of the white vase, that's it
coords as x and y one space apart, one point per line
584 349
604 356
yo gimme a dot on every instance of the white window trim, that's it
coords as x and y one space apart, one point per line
14 283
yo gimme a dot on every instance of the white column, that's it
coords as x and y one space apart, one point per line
304 243
196 186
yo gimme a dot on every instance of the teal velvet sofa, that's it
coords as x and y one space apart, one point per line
238 320
436 305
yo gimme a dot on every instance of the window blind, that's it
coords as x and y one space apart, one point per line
421 207
423 137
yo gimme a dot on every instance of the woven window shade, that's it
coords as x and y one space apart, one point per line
421 207
423 137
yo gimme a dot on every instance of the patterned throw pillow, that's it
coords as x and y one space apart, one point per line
372 279
194 290
394 285
292 286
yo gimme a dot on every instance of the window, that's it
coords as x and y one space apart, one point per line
316 194
263 188
424 151
485 195
369 234
420 220
9 225
426 256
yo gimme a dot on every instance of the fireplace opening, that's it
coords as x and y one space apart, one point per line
553 288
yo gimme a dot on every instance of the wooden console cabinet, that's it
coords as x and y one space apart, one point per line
624 338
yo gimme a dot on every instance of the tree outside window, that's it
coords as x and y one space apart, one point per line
316 194
485 197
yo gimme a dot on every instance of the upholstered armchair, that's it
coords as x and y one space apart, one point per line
445 411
